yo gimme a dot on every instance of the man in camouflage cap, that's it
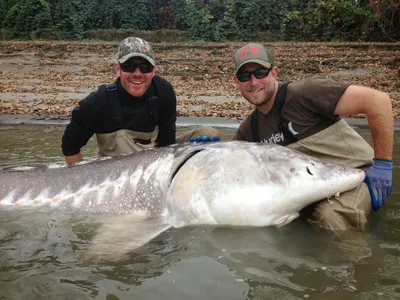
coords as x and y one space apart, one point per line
306 115
135 65
136 112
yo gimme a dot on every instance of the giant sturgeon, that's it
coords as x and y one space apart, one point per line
224 183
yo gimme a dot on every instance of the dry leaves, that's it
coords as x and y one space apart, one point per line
49 78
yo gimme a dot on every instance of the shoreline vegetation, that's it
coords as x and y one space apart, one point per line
202 20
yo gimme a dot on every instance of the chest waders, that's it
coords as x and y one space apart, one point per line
341 144
125 140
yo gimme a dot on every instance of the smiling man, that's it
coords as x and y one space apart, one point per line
136 112
306 115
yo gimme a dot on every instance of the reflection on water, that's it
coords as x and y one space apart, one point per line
32 145
42 252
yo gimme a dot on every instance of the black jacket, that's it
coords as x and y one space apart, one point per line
95 114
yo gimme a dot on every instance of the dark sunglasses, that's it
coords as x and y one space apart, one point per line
131 68
259 73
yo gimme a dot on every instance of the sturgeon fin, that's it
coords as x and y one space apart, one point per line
287 219
119 235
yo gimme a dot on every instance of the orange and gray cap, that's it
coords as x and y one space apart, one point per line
134 46
253 53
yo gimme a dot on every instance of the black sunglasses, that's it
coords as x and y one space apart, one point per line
131 68
259 73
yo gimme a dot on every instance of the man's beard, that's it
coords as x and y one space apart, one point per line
268 96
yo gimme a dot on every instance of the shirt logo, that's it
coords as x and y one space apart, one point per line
279 138
290 126
275 138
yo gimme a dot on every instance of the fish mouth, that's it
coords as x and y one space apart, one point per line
182 163
309 171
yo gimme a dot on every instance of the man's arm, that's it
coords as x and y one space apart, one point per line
78 131
378 109
167 119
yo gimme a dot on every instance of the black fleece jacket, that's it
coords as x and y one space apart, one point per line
95 114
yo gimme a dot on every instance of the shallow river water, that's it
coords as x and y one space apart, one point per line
42 252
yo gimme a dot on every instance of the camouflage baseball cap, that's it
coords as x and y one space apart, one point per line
134 46
254 53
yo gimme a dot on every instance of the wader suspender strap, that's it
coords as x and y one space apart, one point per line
153 104
112 95
255 134
284 124
283 127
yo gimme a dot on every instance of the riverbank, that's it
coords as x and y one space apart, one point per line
47 79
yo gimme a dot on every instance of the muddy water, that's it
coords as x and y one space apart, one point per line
37 145
42 252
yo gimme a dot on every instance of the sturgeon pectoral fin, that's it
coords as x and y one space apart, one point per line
119 235
286 219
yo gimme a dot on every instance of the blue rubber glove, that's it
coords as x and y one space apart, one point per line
379 179
203 139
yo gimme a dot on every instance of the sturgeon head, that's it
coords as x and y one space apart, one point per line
252 184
